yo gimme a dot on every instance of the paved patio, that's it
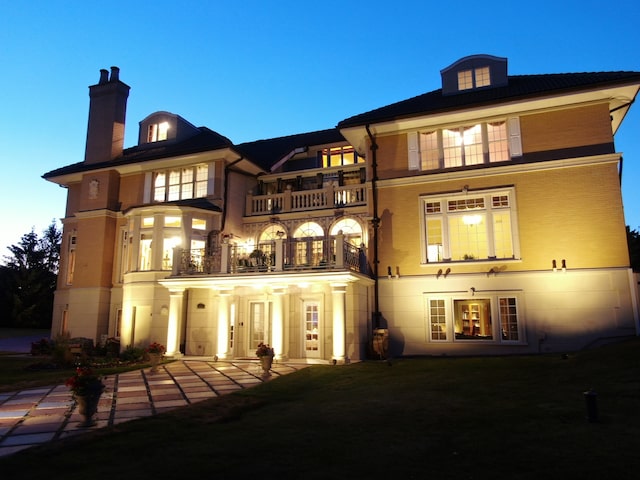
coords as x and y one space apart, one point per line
34 416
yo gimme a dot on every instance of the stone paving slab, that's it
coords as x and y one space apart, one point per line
39 415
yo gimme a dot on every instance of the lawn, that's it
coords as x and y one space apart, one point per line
440 418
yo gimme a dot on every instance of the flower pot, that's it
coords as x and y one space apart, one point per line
87 407
155 359
265 362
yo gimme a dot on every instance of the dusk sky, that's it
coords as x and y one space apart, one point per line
261 69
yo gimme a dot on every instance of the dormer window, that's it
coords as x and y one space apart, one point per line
158 132
474 72
474 78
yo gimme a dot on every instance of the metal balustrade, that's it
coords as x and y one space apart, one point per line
281 255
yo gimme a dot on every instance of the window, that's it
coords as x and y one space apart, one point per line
145 251
71 262
336 156
308 244
467 145
470 319
180 184
474 78
509 319
157 132
437 320
469 226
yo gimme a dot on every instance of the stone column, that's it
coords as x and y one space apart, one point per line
176 300
277 325
338 292
222 350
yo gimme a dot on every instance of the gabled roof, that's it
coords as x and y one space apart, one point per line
520 87
266 153
204 141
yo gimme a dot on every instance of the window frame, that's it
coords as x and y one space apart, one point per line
438 207
453 146
180 183
447 309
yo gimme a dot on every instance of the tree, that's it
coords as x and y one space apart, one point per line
28 280
633 241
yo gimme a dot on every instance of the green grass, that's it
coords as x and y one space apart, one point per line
439 418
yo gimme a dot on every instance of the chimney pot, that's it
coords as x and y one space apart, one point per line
104 76
115 74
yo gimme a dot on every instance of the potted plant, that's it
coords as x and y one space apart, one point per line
155 351
265 354
86 387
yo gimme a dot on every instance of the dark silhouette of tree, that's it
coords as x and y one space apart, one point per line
633 241
28 280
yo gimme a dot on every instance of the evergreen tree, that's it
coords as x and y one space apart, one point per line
28 280
633 240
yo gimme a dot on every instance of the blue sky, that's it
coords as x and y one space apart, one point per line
262 69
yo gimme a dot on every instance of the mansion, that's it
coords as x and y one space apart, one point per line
481 218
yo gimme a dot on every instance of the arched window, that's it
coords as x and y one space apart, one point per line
309 245
351 229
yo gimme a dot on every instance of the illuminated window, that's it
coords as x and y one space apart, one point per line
469 226
309 244
336 156
180 184
199 224
169 242
157 132
474 78
471 318
172 221
351 229
145 252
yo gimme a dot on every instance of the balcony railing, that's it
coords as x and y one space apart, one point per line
281 255
331 196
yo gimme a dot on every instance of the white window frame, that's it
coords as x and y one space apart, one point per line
415 160
442 212
474 78
494 310
180 183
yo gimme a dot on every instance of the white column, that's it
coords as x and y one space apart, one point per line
277 324
176 300
338 292
222 350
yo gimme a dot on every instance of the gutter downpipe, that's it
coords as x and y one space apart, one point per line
375 223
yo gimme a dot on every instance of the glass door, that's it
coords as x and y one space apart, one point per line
311 330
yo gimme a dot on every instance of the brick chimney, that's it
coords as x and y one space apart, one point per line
107 112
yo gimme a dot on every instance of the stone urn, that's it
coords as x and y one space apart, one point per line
87 407
155 359
265 362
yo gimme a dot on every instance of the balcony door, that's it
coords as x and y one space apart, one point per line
259 325
311 328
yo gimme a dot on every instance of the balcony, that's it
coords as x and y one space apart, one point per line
331 196
281 255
